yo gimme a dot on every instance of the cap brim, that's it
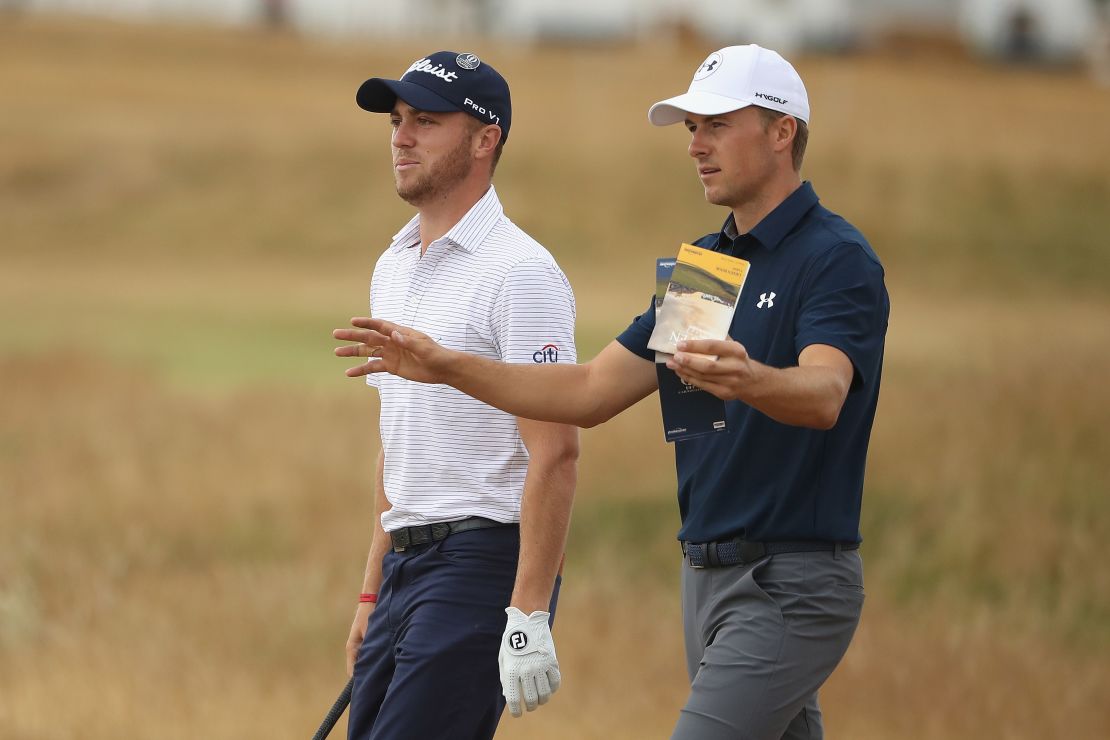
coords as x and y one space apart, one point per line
379 96
674 110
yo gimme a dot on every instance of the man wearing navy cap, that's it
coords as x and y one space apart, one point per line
772 583
473 505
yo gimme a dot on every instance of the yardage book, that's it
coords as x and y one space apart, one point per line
700 298
687 410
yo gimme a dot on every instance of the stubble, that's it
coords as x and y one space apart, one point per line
440 178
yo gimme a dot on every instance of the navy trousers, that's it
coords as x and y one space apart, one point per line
428 665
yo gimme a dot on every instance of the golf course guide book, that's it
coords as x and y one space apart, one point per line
688 411
700 298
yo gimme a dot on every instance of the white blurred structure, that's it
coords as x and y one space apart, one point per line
1033 29
1049 30
785 25
225 11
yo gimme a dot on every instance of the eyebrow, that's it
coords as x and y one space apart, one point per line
415 111
707 119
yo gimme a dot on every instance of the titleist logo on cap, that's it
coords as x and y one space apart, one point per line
423 65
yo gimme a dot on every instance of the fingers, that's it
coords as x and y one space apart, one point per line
512 698
531 692
354 642
543 687
688 363
370 343
718 347
378 325
363 336
709 355
554 678
358 350
366 368
528 687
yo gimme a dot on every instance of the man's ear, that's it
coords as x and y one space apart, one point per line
784 130
487 141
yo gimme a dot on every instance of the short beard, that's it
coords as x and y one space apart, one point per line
435 183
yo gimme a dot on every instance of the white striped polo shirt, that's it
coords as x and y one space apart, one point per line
487 288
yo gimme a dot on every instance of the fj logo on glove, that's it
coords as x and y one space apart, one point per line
518 641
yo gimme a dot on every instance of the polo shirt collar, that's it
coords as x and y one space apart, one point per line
470 231
778 223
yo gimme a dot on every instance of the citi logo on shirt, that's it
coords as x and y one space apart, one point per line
547 353
766 300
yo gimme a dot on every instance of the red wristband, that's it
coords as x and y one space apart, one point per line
368 598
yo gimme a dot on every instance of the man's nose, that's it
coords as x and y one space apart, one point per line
402 136
697 146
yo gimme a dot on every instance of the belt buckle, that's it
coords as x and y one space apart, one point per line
702 559
401 539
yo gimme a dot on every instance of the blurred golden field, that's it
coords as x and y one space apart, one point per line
185 474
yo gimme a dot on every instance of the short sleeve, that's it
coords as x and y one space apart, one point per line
635 337
845 305
533 315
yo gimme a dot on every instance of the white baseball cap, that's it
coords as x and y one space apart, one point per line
734 78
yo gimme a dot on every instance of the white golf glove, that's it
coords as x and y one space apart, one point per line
529 668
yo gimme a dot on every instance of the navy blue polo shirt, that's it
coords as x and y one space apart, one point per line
813 280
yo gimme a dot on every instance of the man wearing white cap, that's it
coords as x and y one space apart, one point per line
772 576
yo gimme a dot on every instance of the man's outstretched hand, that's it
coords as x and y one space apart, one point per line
393 349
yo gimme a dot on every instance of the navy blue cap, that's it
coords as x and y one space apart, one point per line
442 82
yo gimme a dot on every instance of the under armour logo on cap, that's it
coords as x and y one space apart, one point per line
709 66
518 640
733 78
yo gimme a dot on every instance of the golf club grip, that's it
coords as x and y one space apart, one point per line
335 712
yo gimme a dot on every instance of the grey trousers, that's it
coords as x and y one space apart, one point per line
761 639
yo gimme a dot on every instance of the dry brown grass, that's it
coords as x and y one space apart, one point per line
184 475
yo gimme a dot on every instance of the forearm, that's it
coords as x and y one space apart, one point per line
800 396
581 395
555 393
544 521
379 541
808 395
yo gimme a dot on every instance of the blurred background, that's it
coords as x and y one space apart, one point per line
190 201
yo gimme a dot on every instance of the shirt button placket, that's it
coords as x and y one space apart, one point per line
420 278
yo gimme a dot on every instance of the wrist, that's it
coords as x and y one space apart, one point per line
532 596
368 598
450 366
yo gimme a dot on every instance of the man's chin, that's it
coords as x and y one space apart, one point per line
414 195
714 197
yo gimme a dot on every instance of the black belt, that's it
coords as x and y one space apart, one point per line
422 534
741 552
